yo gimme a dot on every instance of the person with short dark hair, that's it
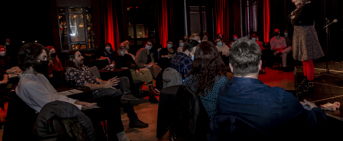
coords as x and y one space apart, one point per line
207 62
272 110
182 62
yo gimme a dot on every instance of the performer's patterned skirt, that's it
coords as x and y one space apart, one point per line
306 44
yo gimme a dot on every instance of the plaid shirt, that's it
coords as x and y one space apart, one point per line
81 76
181 61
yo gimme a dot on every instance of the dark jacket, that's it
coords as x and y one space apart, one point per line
304 16
190 120
273 110
62 110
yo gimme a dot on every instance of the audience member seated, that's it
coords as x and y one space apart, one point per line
279 47
182 62
166 55
185 38
108 53
222 47
115 87
194 41
274 111
127 47
11 51
206 58
5 60
55 68
205 37
263 53
36 91
125 61
180 48
234 38
5 64
145 59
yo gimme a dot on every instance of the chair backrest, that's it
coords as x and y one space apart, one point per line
190 121
171 77
95 71
19 121
231 127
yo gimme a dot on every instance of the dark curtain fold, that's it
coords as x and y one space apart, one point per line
110 23
221 8
171 21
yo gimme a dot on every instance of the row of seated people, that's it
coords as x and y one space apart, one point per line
243 108
107 96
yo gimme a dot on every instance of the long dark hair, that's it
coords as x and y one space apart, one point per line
207 65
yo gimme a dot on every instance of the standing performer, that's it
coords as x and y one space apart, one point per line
306 45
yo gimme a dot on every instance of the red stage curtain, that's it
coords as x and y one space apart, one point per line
222 17
163 22
266 21
110 22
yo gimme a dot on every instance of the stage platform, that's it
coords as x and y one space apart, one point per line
328 87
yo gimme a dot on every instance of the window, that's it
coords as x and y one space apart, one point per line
141 24
76 28
197 21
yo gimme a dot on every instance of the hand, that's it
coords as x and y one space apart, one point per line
311 104
5 79
87 106
159 49
137 71
292 13
111 82
51 75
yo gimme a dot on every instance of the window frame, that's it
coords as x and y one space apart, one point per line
66 13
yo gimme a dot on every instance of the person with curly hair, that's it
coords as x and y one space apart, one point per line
207 75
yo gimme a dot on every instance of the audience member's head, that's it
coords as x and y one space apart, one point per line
219 42
220 35
74 59
205 37
33 57
2 51
207 62
286 33
148 45
245 56
190 45
52 52
170 44
7 41
196 37
276 32
234 37
253 37
108 47
181 42
185 38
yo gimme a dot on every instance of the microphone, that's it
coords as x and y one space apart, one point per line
333 21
